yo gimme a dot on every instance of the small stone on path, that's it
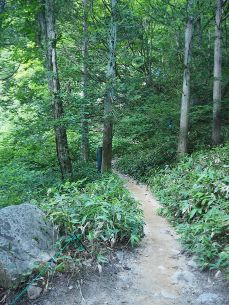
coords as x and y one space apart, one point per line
183 276
218 274
192 263
34 292
208 298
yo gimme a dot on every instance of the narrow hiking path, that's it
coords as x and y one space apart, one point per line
156 273
163 275
154 279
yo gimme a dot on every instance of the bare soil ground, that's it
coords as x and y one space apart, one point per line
156 273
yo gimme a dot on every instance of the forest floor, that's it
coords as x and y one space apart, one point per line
158 272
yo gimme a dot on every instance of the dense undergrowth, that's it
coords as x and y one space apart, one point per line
195 196
146 136
25 177
102 214
194 192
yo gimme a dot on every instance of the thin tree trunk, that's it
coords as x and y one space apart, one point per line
108 117
84 121
216 139
2 5
54 87
183 135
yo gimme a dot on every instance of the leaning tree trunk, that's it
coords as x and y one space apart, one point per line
183 135
84 119
54 88
217 76
108 116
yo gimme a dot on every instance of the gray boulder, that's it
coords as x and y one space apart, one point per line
26 240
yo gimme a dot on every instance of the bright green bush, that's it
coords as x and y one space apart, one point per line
26 168
19 183
26 172
195 197
103 213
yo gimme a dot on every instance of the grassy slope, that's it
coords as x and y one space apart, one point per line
195 197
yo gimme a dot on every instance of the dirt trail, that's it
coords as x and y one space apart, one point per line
156 273
162 275
154 281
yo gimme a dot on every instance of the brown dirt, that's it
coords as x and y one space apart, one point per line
156 273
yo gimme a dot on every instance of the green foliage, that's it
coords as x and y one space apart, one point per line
140 162
103 213
194 194
146 136
26 170
86 172
19 184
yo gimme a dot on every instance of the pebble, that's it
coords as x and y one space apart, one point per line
208 298
191 263
218 274
168 295
126 268
120 255
34 292
183 276
161 267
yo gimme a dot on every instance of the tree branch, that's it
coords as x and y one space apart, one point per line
11 75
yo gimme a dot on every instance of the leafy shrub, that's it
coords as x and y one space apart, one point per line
26 175
194 195
85 171
19 183
103 213
26 168
139 161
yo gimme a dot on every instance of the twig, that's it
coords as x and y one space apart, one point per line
3 299
79 286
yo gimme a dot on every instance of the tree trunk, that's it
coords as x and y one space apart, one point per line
183 136
108 116
54 88
2 5
216 139
84 120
